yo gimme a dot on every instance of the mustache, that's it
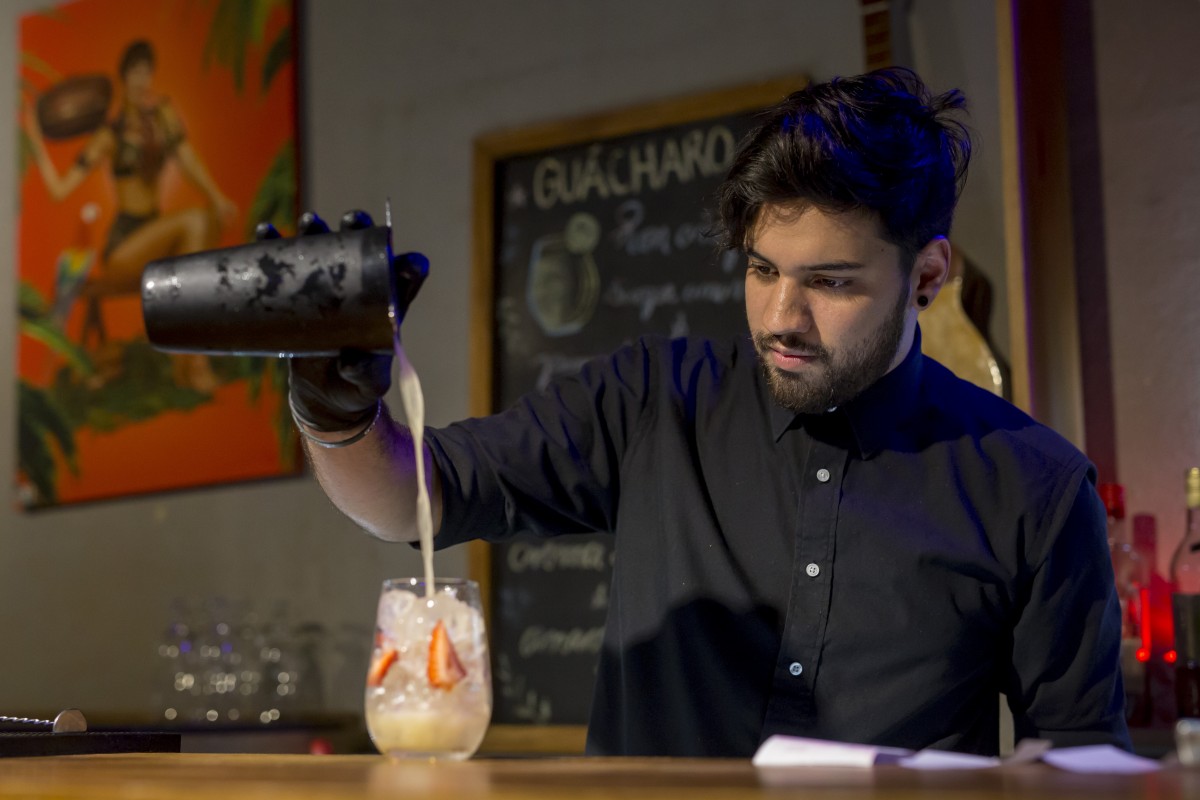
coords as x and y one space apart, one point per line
790 342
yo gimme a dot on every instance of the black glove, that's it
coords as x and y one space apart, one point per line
331 394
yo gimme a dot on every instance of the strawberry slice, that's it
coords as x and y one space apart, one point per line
380 666
445 669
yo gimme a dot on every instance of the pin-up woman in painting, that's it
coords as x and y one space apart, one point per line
137 143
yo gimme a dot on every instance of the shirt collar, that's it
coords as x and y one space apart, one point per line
877 411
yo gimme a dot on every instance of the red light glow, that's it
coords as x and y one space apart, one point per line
1144 608
1170 656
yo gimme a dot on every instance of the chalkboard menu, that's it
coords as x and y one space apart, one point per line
589 233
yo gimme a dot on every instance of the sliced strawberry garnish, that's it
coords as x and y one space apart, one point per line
445 669
380 665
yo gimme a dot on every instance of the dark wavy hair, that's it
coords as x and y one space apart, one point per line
138 52
877 142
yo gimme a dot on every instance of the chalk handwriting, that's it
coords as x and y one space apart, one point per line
649 297
554 556
525 703
551 365
599 600
635 238
618 171
536 641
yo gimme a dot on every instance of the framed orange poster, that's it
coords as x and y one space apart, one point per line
148 128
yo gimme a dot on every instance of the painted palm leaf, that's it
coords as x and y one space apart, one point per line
275 200
236 25
41 423
37 322
279 55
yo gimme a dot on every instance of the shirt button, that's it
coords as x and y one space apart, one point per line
795 668
823 475
812 570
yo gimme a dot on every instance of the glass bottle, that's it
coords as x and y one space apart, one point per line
1158 702
1129 568
1132 579
1185 577
1185 563
1156 599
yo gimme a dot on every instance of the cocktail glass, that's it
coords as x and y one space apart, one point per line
429 686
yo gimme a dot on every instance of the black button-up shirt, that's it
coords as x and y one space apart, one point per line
878 573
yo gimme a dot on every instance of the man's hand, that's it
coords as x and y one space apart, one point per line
340 393
333 394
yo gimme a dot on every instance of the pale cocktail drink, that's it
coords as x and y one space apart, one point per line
429 688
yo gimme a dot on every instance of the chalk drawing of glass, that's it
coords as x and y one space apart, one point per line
564 282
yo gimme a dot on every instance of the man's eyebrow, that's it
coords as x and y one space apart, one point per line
828 266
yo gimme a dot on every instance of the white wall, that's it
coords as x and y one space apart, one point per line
395 93
953 45
1149 107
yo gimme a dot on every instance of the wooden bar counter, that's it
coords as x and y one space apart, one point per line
300 777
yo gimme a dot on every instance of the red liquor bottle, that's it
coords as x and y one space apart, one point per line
1132 576
1185 602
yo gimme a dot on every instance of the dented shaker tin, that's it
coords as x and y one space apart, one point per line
304 295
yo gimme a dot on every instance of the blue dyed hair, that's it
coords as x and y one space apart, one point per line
877 143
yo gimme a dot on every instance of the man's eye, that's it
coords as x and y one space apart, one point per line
764 270
831 283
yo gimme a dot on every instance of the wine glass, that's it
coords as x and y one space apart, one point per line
429 686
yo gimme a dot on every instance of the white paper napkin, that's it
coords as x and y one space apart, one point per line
943 759
1100 758
796 751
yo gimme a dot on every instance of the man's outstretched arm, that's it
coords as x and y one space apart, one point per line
373 481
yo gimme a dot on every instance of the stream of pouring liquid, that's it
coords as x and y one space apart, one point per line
414 415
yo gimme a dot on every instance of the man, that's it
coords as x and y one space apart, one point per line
820 532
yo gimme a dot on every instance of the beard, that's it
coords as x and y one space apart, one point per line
835 377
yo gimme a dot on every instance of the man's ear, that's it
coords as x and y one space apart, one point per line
930 271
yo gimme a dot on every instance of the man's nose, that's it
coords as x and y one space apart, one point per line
788 310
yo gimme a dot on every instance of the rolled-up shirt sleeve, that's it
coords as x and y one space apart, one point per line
1065 683
551 463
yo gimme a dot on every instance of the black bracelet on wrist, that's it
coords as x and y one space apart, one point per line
302 426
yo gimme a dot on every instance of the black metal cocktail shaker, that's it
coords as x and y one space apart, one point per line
306 295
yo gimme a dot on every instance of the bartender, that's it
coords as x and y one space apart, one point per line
821 532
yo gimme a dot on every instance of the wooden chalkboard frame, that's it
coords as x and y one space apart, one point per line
494 147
